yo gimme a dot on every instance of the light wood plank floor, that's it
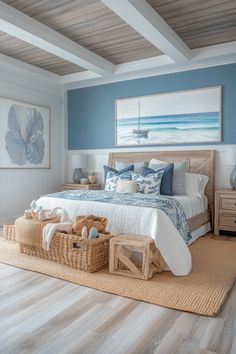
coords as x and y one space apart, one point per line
43 315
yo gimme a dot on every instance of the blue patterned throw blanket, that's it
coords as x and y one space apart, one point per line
169 205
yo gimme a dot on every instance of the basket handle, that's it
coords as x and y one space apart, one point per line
77 246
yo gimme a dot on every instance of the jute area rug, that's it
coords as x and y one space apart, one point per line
203 291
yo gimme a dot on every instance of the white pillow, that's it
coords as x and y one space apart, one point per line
155 164
195 184
124 186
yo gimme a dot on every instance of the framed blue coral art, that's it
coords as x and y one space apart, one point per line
24 135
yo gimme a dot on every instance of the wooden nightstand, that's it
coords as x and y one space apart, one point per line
69 186
225 210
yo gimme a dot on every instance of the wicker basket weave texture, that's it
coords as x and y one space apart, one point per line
72 250
9 233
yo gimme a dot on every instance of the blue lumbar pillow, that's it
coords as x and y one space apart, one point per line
167 178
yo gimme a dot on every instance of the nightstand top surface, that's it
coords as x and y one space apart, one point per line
225 190
79 184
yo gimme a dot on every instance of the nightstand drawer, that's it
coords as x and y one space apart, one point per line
225 211
228 220
228 203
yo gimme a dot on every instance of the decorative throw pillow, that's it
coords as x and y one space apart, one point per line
178 185
110 169
120 165
167 178
150 184
195 184
124 186
155 164
112 179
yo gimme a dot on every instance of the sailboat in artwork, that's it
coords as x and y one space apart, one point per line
140 133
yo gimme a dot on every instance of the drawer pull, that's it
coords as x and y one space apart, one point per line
235 221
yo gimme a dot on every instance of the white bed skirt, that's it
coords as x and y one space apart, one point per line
135 220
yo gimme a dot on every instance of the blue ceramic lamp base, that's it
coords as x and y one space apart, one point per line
233 178
77 175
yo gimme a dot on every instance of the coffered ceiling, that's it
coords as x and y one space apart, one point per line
82 40
199 22
21 50
91 24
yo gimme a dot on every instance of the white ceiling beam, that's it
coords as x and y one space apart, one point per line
143 64
145 20
130 67
25 28
220 54
214 51
80 76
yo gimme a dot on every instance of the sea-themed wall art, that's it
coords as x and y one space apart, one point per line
24 135
181 117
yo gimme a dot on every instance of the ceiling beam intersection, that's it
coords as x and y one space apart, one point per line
29 30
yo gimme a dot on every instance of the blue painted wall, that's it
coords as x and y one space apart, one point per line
91 110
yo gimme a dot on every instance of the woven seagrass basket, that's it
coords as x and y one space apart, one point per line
9 233
72 250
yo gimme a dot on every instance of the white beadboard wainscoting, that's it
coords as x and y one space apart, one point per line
98 158
18 187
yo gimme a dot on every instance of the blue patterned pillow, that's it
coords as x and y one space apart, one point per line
110 169
167 179
150 184
113 178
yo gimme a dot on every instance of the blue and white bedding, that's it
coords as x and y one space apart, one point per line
168 205
160 217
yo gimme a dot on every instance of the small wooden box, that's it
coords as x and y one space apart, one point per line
122 260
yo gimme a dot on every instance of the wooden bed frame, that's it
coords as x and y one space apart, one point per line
198 161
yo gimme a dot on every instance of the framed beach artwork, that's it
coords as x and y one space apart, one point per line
24 135
181 117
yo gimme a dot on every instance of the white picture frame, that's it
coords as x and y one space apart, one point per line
24 135
180 117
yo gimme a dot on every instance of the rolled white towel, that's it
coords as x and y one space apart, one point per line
50 229
61 213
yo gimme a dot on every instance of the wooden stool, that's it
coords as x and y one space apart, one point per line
122 259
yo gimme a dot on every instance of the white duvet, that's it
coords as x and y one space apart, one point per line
141 221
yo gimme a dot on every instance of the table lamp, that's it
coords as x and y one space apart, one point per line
231 161
78 162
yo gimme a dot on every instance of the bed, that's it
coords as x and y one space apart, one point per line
129 216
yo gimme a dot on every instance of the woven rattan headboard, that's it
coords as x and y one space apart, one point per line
199 161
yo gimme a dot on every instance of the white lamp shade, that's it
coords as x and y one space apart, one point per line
230 158
79 161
